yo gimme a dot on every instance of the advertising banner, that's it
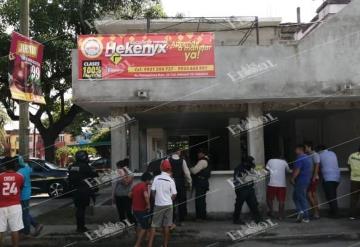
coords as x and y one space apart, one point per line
25 59
150 55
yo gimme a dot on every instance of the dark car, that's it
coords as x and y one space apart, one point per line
101 165
47 177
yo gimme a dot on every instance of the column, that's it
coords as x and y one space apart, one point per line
118 144
234 146
256 148
134 146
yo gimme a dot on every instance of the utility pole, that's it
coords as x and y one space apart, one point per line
23 105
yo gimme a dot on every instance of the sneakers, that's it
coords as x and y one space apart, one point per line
299 217
38 230
352 218
305 221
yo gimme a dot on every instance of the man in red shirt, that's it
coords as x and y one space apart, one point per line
11 184
141 206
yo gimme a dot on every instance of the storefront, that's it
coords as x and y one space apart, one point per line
309 86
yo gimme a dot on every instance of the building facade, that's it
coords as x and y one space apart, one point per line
276 86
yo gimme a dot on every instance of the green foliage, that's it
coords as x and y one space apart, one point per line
57 25
102 136
70 151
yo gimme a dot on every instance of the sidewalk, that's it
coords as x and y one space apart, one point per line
208 233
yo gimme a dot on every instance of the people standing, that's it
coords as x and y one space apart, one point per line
78 172
11 184
277 184
245 192
329 167
121 192
354 166
141 206
202 173
182 177
312 190
25 170
301 177
164 191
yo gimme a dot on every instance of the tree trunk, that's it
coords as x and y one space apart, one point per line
49 146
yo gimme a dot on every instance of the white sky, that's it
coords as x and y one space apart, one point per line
262 8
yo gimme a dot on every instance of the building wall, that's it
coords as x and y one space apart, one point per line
320 65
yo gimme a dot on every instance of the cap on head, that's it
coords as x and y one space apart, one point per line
10 163
81 156
165 166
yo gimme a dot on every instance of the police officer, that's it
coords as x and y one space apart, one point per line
182 177
245 190
78 172
201 173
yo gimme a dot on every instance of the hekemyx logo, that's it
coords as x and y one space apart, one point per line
136 48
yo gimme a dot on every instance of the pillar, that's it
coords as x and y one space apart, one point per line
118 144
134 147
256 147
234 146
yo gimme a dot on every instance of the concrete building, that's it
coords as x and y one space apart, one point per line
305 76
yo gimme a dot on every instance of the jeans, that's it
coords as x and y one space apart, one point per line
180 209
26 217
300 199
330 188
246 194
123 205
200 202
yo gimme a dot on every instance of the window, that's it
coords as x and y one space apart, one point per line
61 138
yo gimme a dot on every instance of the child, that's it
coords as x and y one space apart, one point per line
141 206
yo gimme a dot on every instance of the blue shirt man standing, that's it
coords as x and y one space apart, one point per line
301 178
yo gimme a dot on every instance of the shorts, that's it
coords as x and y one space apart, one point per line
278 192
162 216
313 186
11 216
142 219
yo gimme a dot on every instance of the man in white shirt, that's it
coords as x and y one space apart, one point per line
164 192
182 177
277 184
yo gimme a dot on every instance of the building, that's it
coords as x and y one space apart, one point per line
36 144
305 77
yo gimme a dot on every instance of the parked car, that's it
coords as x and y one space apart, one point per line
102 164
47 177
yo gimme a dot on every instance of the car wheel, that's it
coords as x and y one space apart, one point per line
56 189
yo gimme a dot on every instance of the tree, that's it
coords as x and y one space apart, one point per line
56 25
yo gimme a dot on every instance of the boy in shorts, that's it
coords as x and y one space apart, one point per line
11 184
164 191
141 206
277 184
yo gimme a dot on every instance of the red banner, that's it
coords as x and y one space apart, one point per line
150 55
25 59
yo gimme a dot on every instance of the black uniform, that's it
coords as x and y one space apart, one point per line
245 192
179 177
82 193
201 185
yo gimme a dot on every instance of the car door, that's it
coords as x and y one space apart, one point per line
38 177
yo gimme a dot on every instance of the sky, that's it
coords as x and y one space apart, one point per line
286 9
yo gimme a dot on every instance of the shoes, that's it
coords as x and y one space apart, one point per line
82 229
38 230
238 222
352 218
305 221
299 217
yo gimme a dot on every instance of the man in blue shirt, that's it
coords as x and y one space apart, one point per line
26 171
301 178
330 171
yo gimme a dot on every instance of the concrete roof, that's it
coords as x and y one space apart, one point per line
189 24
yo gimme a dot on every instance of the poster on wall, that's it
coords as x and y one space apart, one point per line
25 59
142 56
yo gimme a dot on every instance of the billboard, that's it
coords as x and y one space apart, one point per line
142 56
25 59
